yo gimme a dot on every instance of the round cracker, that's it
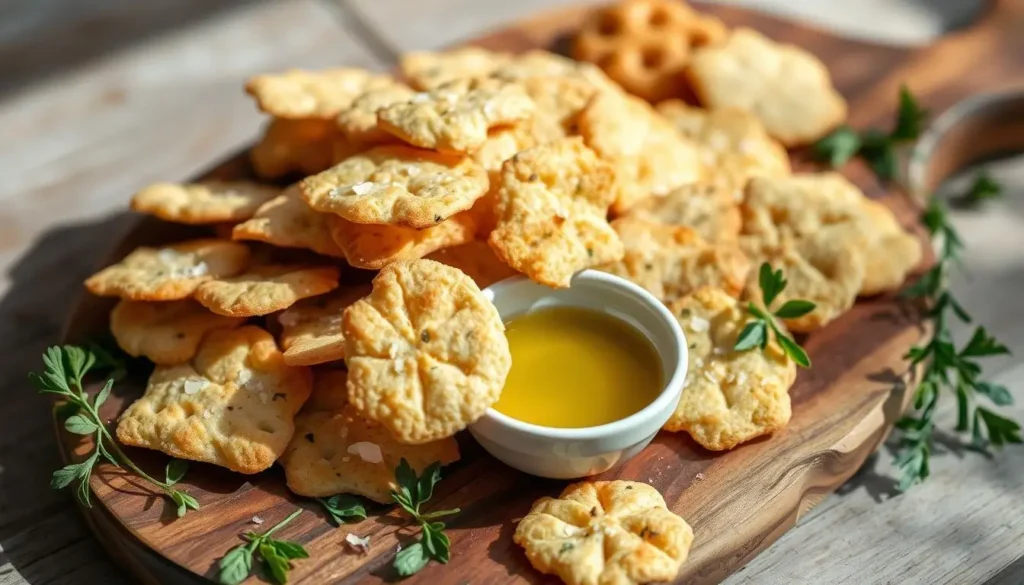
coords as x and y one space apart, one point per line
166 333
265 289
203 203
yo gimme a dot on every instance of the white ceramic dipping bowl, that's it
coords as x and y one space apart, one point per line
572 453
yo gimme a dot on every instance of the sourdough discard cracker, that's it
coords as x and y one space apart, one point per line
166 333
287 221
201 203
426 352
311 329
709 209
334 451
322 95
232 405
605 532
456 116
359 121
551 207
558 102
397 185
171 272
426 70
295 146
373 247
786 87
733 144
265 289
731 397
672 261
477 261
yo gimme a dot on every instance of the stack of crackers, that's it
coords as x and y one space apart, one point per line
471 167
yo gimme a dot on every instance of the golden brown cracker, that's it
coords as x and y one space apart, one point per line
334 451
397 185
729 397
786 87
551 207
232 405
264 289
166 333
605 532
707 208
171 272
299 94
359 121
287 221
373 247
295 146
456 116
477 261
426 351
311 329
203 203
426 70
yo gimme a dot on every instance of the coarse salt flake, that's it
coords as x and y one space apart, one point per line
257 520
243 377
367 451
193 386
362 188
419 98
699 324
359 543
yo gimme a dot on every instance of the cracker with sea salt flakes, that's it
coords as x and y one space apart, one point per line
334 451
266 288
287 221
605 532
166 333
232 405
551 207
456 116
311 329
171 272
203 203
373 247
426 351
359 121
397 185
731 397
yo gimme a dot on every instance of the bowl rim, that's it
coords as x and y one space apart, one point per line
671 389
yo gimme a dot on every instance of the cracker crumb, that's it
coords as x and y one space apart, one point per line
360 544
367 451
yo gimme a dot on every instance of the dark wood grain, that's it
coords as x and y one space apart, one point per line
738 502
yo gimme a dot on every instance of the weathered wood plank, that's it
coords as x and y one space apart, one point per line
74 149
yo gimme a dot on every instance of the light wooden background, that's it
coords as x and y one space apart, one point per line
99 97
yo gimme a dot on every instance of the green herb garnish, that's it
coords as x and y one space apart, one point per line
63 373
412 493
982 189
343 508
946 367
757 332
275 555
876 147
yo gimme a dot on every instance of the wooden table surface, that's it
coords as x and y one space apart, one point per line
100 97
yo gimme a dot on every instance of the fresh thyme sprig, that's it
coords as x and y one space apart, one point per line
275 555
757 332
982 189
876 147
64 370
946 367
412 493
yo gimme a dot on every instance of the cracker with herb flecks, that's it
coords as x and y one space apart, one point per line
202 203
232 405
166 333
786 87
397 185
373 247
359 121
311 329
605 532
171 272
731 396
551 207
426 351
707 208
456 116
334 451
287 221
426 70
672 261
266 288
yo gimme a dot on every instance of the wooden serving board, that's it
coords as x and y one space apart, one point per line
738 502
